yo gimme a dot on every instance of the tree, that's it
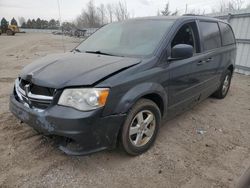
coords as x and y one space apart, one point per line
44 24
41 24
102 12
89 17
24 25
196 11
29 24
33 24
4 25
175 13
110 10
13 22
167 12
21 20
57 24
231 5
52 24
67 26
38 23
93 16
121 11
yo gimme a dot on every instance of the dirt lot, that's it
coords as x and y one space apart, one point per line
181 156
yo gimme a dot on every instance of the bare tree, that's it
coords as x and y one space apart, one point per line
175 13
120 11
102 11
231 5
110 11
197 11
238 4
89 16
167 12
93 16
21 20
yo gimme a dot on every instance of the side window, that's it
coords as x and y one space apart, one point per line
187 34
226 34
211 35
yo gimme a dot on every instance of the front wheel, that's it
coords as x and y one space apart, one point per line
225 85
9 32
140 128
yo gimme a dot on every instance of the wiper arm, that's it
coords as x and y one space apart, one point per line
77 50
99 52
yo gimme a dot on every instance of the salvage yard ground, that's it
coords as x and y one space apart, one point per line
208 146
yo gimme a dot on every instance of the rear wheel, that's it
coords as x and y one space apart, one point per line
225 85
141 126
9 32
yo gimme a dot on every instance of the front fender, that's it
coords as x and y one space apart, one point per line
137 92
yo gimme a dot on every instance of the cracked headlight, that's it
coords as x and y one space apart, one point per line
84 99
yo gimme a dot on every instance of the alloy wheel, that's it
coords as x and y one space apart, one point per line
226 84
142 128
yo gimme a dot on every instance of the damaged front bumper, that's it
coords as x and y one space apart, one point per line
83 132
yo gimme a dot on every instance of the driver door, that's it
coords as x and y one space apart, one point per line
181 86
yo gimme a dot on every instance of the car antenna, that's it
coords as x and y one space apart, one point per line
60 22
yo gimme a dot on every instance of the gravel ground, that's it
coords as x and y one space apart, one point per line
208 146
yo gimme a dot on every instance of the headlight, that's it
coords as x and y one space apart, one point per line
84 99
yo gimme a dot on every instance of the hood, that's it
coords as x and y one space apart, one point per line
74 69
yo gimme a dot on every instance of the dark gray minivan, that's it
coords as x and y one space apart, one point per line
118 85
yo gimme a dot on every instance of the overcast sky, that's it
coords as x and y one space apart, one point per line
47 9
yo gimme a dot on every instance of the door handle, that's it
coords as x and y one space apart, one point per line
201 62
209 59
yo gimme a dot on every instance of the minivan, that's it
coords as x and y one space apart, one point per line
122 82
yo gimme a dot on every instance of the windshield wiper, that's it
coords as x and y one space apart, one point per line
77 50
99 52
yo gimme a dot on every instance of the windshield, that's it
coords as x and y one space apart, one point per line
129 38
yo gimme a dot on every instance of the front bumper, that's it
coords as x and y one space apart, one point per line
89 130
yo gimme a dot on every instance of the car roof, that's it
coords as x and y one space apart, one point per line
181 18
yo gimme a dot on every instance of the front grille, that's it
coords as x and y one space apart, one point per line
35 89
32 95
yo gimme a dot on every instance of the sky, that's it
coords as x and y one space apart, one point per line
70 9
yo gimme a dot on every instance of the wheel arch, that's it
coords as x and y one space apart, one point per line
157 99
151 91
231 68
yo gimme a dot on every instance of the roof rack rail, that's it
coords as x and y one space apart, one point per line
193 15
189 15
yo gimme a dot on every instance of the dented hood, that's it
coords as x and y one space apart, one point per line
74 69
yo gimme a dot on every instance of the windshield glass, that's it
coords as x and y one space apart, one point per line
129 38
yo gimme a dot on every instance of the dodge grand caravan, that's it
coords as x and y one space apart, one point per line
117 86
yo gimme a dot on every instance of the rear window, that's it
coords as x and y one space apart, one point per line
211 35
226 34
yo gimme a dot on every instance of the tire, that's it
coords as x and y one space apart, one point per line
137 135
9 32
221 93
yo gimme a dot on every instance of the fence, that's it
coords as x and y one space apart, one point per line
38 30
240 22
88 32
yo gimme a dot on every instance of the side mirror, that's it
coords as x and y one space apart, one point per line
181 51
